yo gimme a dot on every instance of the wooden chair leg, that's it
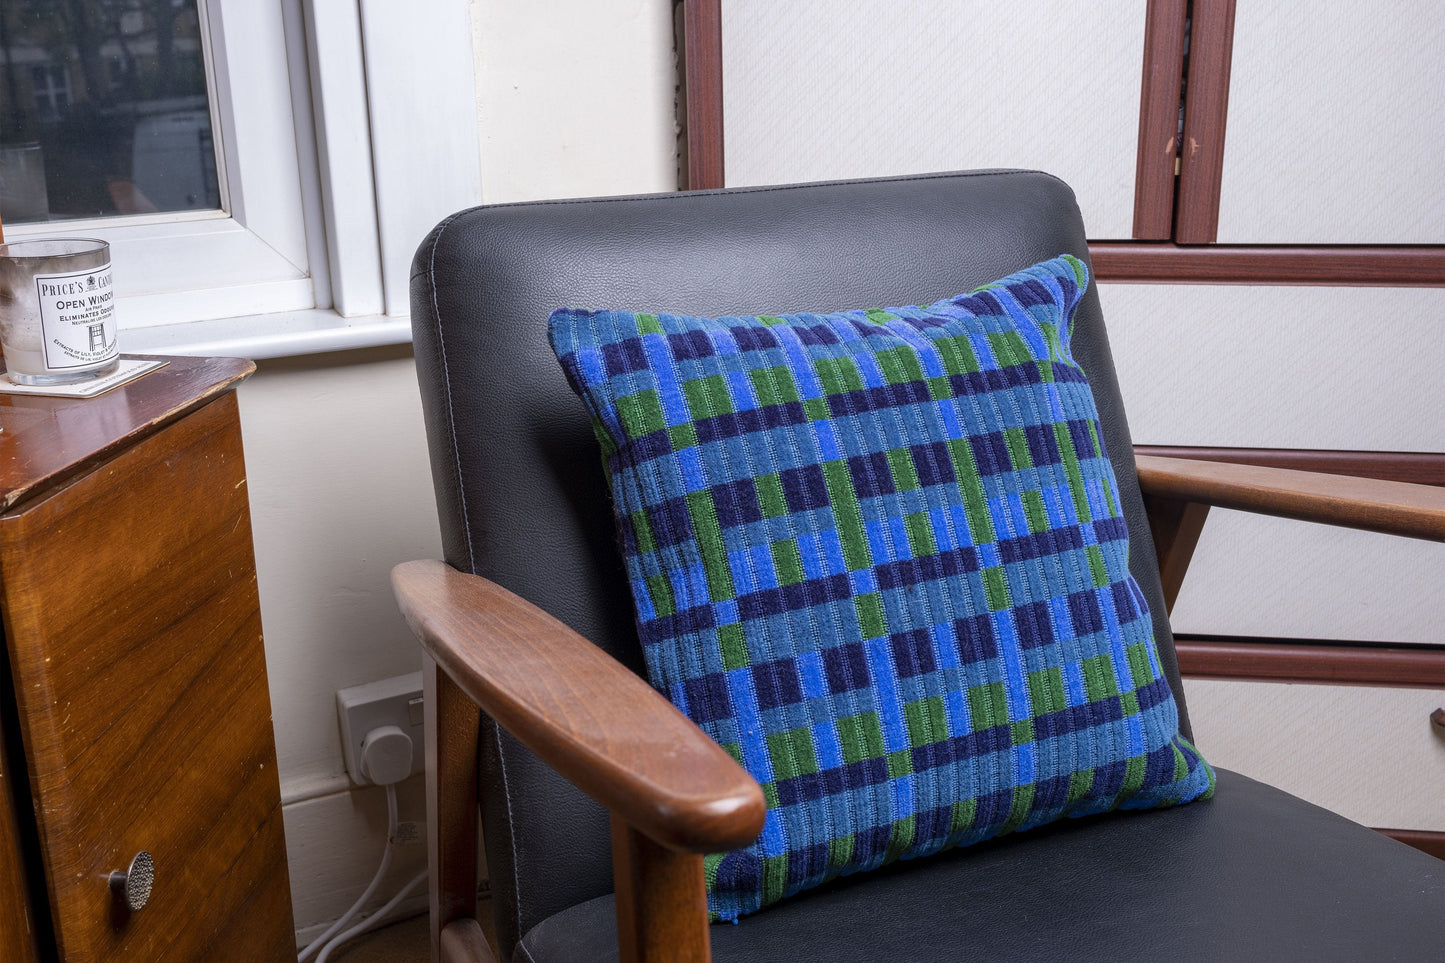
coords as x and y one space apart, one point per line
451 804
661 900
462 941
1176 526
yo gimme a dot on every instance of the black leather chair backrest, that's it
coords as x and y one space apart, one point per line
518 476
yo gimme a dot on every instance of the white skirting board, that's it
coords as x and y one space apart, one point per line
334 844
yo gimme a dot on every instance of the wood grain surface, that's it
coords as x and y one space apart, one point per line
1159 119
134 637
1176 527
452 721
1424 840
1416 467
1308 661
703 89
45 441
1385 266
1395 508
18 935
595 722
661 901
1206 104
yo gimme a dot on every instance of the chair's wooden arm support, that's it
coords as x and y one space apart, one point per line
582 712
1396 508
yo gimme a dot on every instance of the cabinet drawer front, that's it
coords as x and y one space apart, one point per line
134 635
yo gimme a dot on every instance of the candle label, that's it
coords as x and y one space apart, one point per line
77 318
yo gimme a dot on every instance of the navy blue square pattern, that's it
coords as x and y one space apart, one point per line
878 555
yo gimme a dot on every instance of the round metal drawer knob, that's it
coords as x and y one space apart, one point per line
133 887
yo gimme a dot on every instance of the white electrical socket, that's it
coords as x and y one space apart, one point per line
390 702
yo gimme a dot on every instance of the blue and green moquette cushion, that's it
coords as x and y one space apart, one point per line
879 556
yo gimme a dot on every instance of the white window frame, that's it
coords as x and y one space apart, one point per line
335 169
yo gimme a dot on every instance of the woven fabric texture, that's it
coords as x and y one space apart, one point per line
878 555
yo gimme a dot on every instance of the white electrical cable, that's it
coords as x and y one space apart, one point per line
374 920
391 824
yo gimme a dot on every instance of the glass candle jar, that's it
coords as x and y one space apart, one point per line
57 310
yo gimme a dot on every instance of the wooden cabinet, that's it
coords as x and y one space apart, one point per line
136 712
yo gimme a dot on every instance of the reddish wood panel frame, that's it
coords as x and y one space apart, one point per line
1275 660
1413 266
703 92
1423 840
1164 29
1417 467
1281 660
1206 101
1145 259
1190 218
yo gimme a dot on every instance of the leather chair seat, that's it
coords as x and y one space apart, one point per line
1252 874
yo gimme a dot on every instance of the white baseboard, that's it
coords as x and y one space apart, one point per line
334 844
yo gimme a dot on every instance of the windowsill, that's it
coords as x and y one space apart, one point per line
282 335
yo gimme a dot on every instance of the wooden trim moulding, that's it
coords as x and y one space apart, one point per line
1159 119
1206 102
703 93
1417 467
1425 841
1274 660
1176 526
1325 265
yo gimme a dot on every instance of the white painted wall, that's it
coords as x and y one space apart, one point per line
340 492
575 98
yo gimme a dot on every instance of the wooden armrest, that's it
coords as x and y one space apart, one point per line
582 712
1396 508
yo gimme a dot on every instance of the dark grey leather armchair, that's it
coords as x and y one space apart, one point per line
1251 874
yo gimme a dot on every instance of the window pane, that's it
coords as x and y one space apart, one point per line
103 110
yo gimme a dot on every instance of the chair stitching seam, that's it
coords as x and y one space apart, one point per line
447 380
511 828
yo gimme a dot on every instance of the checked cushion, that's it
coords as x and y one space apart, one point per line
879 556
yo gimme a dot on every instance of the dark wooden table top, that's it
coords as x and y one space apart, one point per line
46 441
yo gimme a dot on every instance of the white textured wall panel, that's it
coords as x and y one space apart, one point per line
820 89
1367 753
1287 367
575 98
1334 127
1274 577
